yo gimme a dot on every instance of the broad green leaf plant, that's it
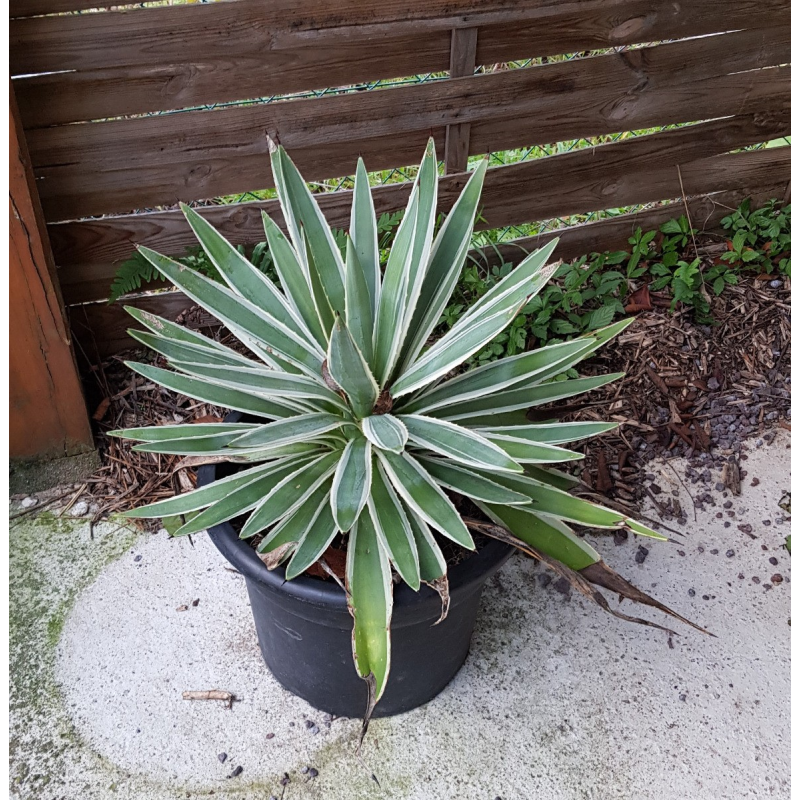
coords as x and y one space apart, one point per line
356 422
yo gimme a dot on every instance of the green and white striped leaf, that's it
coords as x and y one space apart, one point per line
369 597
424 497
551 433
389 322
243 277
360 312
293 527
552 477
385 431
447 257
460 444
426 184
192 446
548 535
200 498
263 382
392 527
364 233
322 302
314 543
513 399
175 350
432 564
517 285
455 347
239 314
555 503
244 499
349 369
303 217
293 280
164 433
527 452
209 393
491 377
289 494
171 330
471 484
351 482
295 429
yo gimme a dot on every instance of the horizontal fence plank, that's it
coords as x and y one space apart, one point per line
111 239
117 166
162 68
637 171
100 329
705 213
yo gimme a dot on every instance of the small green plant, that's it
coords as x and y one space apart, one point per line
359 425
761 238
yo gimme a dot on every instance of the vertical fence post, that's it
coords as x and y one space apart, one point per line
48 417
463 46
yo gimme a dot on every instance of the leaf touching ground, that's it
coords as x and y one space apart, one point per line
349 369
289 494
369 598
294 429
351 482
548 535
458 443
385 431
392 527
209 393
472 484
424 497
581 580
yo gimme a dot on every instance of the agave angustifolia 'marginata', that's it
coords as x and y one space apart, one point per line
362 424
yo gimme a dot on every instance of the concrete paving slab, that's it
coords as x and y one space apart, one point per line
556 700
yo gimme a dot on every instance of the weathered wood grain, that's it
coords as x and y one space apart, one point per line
635 171
139 163
462 63
47 413
102 328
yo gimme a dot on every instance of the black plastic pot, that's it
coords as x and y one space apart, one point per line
304 628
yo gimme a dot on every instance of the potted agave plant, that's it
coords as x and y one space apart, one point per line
353 431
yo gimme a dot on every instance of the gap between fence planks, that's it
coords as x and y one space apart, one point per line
139 163
101 328
158 68
582 180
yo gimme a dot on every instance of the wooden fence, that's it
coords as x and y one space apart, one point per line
93 89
